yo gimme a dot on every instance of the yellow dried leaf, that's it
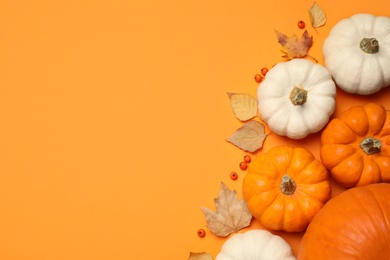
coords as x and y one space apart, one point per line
244 105
200 256
249 137
232 214
293 46
317 16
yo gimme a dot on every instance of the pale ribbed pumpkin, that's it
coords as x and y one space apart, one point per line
357 53
256 244
296 98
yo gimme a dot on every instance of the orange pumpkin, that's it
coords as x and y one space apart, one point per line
285 187
353 225
356 146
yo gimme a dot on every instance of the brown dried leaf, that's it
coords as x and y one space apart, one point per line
200 256
293 46
317 16
244 105
249 137
232 214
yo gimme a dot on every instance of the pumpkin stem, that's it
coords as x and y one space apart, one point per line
287 185
298 96
371 145
369 45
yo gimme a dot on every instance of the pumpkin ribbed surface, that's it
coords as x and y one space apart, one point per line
353 225
357 54
296 98
356 146
256 245
285 187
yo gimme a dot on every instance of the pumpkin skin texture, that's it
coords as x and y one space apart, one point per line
256 244
296 98
285 187
350 162
355 69
353 225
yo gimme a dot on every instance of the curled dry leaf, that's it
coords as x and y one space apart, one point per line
293 46
232 214
244 105
249 137
317 16
200 256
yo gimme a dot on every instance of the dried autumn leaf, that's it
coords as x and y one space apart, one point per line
232 214
249 137
293 46
200 256
244 105
317 16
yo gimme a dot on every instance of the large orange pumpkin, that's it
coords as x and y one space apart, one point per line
356 146
285 187
353 225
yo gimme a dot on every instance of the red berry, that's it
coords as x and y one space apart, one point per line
264 71
233 176
301 24
201 232
243 165
258 78
247 158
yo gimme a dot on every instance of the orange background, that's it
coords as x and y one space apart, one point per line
114 118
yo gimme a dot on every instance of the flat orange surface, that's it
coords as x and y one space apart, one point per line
114 118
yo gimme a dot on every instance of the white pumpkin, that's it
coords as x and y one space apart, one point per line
357 53
296 98
256 244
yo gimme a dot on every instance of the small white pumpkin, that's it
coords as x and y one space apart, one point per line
296 98
256 244
357 53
